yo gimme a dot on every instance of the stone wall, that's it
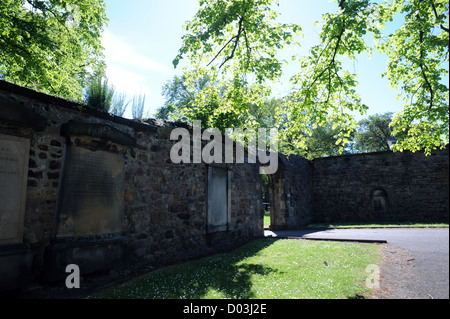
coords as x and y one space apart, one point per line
290 193
102 190
166 204
85 187
386 186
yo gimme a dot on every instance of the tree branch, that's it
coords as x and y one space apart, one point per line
236 43
437 16
220 51
236 39
249 49
333 60
422 67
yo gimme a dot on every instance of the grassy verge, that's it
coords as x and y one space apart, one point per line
379 225
263 269
266 219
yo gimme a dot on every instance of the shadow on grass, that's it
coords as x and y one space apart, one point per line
218 276
234 282
226 275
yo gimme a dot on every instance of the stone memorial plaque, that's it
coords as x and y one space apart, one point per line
92 200
219 205
14 153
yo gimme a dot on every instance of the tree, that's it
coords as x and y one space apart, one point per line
177 97
418 65
323 142
103 97
119 104
50 45
235 41
200 98
372 133
180 105
137 106
235 44
180 101
99 94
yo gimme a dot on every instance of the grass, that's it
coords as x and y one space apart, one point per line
263 269
362 225
377 225
266 219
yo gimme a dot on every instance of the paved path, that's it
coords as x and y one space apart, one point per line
428 246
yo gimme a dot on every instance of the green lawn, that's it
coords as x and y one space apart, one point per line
374 225
266 219
263 269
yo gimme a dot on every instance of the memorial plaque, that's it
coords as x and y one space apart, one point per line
14 153
92 200
219 205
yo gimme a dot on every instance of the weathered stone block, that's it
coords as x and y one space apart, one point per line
15 266
92 197
13 186
90 254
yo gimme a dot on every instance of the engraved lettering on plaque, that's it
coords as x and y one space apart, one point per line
93 193
14 153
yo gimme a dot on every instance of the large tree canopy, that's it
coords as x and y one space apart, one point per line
51 45
373 132
236 43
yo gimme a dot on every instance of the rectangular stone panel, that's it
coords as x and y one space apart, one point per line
14 153
92 196
219 204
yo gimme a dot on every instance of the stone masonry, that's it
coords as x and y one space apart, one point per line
386 186
161 207
101 191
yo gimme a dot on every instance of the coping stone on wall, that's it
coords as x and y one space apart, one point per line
17 114
18 90
97 130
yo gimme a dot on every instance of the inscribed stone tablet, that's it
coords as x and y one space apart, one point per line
14 153
92 200
218 200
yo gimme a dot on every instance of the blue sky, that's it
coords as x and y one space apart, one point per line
143 38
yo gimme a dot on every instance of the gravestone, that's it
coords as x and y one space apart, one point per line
92 200
15 257
88 230
219 201
14 152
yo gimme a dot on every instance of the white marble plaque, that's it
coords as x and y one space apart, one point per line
14 153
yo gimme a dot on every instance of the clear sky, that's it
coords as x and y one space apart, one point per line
143 38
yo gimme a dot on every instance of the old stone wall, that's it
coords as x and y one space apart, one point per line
290 193
102 190
386 186
85 187
166 204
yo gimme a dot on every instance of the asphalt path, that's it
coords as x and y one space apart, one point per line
428 246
